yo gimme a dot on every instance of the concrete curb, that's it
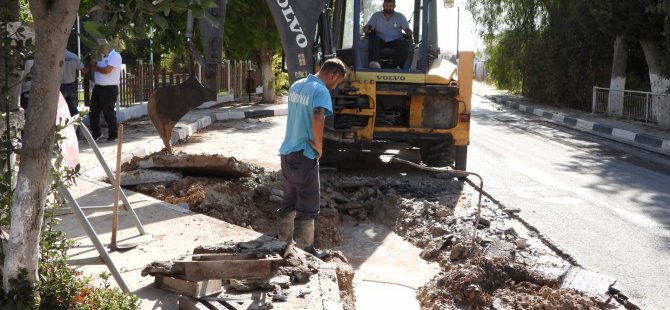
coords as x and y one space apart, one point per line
646 141
268 111
140 109
184 131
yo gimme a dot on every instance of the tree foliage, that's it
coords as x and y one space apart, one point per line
558 50
249 28
136 21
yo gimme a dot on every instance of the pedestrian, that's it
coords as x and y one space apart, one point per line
26 81
107 77
68 84
308 104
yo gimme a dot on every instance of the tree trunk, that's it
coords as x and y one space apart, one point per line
53 22
265 65
211 38
618 80
660 107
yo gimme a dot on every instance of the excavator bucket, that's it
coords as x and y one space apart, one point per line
168 104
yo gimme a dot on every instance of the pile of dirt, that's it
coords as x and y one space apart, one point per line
248 202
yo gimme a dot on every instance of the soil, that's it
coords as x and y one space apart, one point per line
499 270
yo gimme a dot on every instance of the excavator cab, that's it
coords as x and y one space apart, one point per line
425 102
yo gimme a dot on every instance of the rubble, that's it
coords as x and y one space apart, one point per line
504 268
216 275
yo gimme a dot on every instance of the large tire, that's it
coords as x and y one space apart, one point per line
461 157
437 153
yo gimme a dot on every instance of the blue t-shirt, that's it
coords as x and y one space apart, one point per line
303 96
388 29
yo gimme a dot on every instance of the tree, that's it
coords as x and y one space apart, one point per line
550 50
211 40
641 21
133 19
53 22
253 38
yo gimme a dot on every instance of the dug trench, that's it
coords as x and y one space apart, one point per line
506 267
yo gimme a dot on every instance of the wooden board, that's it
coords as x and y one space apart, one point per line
189 288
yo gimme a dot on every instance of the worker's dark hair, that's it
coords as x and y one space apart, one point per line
393 1
334 65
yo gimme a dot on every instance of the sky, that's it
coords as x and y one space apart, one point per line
468 40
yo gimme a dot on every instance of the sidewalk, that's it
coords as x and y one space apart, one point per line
171 231
637 134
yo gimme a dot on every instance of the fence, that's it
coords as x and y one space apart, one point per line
635 105
139 82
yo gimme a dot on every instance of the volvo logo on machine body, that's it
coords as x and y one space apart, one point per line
293 22
390 78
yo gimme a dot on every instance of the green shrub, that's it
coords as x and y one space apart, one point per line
280 82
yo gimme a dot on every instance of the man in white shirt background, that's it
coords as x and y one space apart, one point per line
107 77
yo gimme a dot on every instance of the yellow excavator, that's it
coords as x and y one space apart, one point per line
425 102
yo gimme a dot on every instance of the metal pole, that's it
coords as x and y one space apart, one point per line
151 46
94 238
228 72
593 102
458 26
110 176
646 108
79 76
78 39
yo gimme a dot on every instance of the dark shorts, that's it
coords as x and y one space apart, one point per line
301 185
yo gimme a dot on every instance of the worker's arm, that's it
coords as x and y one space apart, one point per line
104 70
408 32
367 29
318 123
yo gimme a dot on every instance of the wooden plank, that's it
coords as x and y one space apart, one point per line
224 269
230 304
231 256
214 305
190 288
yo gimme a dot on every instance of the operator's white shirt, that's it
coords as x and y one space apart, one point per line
113 78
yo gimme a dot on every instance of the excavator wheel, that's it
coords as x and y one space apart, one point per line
437 153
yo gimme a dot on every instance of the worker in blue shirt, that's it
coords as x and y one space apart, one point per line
308 104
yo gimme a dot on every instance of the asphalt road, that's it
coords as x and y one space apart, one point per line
606 204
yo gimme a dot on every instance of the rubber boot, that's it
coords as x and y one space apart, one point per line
286 226
304 238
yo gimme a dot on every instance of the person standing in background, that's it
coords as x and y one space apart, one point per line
68 84
26 83
107 77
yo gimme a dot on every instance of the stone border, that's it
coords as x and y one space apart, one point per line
648 142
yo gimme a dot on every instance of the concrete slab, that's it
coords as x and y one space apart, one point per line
589 282
144 176
209 164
